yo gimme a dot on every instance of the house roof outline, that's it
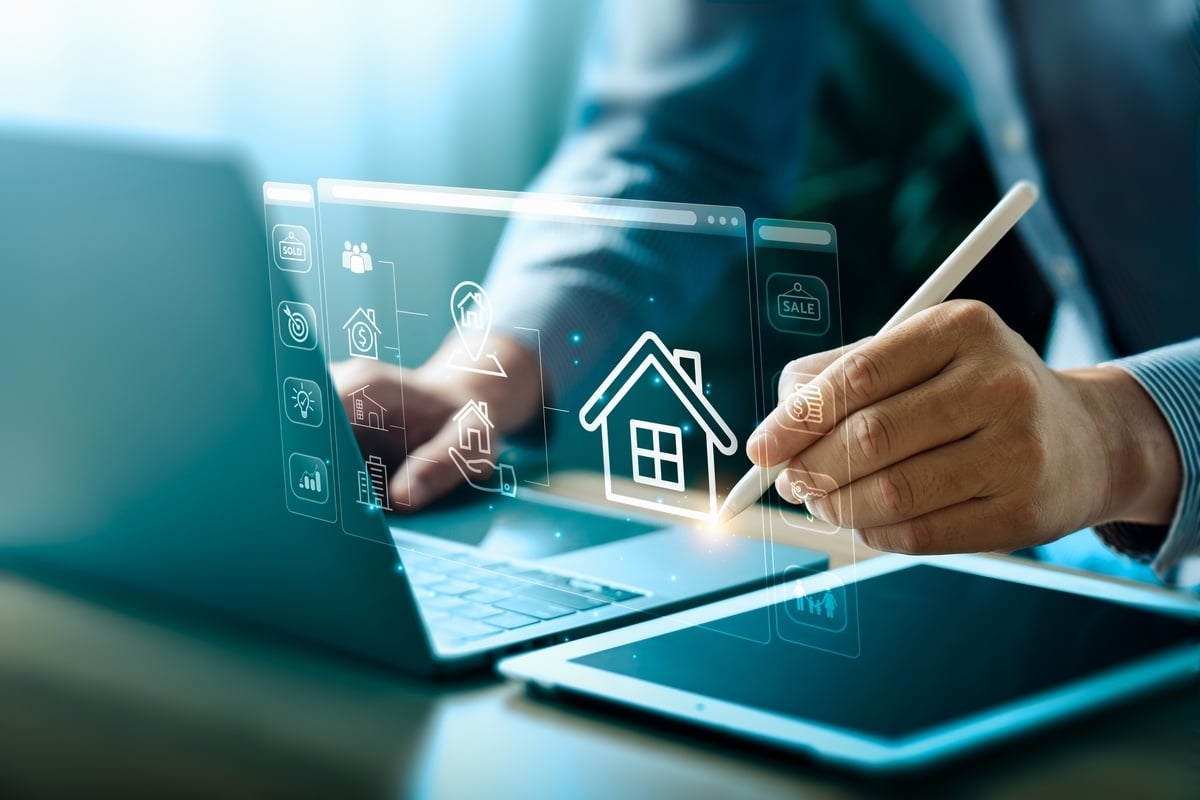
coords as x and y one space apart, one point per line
480 410
362 390
369 318
649 351
475 297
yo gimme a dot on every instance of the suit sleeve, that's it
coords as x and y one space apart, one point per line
680 101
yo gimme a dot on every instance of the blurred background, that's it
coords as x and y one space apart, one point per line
359 89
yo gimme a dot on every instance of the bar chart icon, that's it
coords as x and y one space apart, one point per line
308 478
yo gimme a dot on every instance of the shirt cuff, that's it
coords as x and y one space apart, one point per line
1171 376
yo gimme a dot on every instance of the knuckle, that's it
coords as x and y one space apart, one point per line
830 510
913 537
896 496
863 374
872 433
1028 452
972 315
1024 516
1014 381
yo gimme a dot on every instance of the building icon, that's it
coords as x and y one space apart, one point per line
363 334
474 427
659 450
365 412
373 484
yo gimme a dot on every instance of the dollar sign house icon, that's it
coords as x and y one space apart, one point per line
363 334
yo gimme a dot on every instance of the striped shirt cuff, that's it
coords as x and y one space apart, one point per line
1171 376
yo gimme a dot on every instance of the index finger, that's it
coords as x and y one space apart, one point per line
905 357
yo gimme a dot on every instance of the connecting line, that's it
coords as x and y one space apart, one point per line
545 427
399 359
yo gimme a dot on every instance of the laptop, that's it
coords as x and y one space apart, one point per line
142 426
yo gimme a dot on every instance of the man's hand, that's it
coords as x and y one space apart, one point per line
949 434
421 404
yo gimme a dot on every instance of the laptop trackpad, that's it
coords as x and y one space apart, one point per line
679 562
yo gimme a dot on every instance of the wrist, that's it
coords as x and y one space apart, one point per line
1143 470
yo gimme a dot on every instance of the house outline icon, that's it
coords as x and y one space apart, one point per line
366 411
360 319
471 317
647 356
475 438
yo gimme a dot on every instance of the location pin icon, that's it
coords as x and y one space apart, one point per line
471 311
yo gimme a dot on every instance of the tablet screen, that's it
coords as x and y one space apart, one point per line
937 644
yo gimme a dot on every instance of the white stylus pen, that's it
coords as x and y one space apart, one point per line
999 221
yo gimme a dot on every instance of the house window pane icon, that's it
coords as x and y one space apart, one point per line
655 448
657 454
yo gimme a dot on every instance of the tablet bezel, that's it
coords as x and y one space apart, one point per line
553 669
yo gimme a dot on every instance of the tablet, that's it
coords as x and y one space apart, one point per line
955 652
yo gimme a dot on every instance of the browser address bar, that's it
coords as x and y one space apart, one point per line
537 205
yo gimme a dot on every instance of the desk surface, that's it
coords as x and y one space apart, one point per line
96 700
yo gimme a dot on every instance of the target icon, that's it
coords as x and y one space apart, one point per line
297 325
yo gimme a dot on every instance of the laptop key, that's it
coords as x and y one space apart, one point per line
534 607
442 601
453 587
618 595
500 583
578 602
487 596
458 627
422 578
511 619
475 611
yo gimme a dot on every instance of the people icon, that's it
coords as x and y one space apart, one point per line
830 604
816 605
356 258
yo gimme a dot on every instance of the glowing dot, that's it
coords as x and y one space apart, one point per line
651 299
733 221
577 362
723 220
576 337
558 534
672 577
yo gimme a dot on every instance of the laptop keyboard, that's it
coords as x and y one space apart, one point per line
465 598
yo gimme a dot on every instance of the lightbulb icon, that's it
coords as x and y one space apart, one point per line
302 401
